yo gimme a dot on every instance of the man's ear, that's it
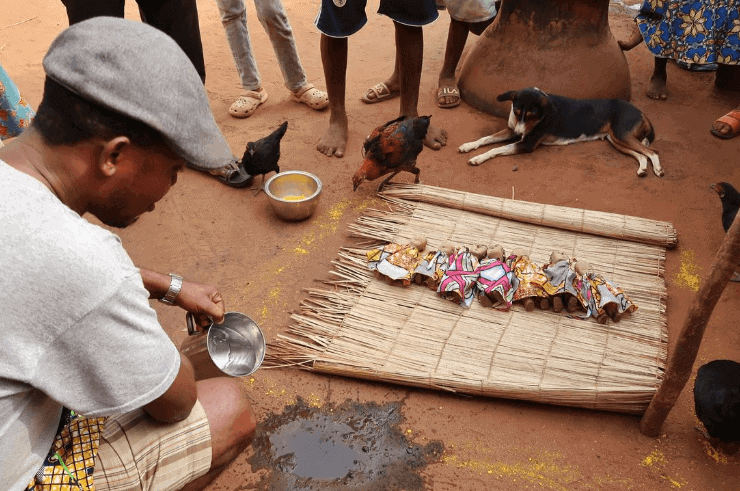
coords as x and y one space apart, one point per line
110 156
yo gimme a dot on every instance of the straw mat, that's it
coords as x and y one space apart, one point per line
362 327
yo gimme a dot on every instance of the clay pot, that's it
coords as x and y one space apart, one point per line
563 47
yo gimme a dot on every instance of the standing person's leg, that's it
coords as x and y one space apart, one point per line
410 50
79 10
727 78
336 25
334 59
448 95
465 16
234 20
271 15
657 88
179 20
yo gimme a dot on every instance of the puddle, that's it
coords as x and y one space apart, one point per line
353 446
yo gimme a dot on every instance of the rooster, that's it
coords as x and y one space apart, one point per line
717 400
262 156
392 148
730 204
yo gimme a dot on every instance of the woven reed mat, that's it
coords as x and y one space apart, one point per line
362 327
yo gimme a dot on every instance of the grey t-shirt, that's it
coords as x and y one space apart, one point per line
76 327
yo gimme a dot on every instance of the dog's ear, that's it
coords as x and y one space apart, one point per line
507 96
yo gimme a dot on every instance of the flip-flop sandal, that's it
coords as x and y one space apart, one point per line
233 175
444 92
733 120
312 97
247 103
381 93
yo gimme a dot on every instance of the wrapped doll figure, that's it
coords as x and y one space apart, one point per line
602 298
531 281
397 262
458 281
560 279
432 266
496 282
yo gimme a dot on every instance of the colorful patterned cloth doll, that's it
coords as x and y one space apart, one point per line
458 281
601 297
397 262
531 282
560 282
433 266
496 281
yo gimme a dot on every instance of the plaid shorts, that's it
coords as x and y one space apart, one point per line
138 453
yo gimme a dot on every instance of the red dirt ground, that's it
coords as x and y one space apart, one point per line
211 233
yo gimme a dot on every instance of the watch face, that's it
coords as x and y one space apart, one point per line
340 3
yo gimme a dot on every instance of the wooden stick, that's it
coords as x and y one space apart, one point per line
681 361
18 23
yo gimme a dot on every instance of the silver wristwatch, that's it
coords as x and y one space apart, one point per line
173 291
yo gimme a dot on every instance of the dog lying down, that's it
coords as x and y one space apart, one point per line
539 118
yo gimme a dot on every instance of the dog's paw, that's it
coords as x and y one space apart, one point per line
641 173
659 172
466 147
476 161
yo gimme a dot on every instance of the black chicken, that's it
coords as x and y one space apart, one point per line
392 148
717 399
262 156
730 204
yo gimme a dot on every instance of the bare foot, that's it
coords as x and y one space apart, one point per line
436 138
633 40
657 89
334 141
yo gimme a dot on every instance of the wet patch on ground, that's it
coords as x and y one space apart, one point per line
354 446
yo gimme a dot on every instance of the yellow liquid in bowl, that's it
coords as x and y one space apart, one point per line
294 198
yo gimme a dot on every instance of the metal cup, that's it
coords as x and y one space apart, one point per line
235 348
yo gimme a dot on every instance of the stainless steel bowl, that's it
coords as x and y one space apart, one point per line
293 194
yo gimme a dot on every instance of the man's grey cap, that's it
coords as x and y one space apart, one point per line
139 71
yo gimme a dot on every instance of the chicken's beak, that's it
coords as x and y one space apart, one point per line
355 186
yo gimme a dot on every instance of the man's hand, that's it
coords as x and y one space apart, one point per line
203 301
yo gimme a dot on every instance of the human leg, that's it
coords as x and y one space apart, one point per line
657 88
465 16
79 10
410 50
137 452
727 126
179 20
336 25
231 420
271 15
234 20
334 60
448 95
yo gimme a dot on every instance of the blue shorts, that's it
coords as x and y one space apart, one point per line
342 22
